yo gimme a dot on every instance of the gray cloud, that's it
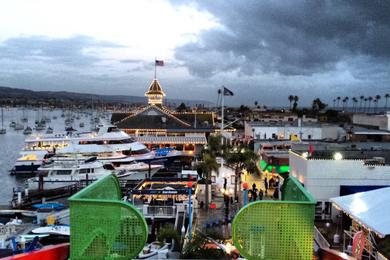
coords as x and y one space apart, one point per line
69 51
289 37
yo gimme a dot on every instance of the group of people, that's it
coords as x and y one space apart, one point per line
255 194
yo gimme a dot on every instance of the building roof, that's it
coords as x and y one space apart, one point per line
155 89
172 139
160 117
370 208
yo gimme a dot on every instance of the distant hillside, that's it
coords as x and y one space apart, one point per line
24 95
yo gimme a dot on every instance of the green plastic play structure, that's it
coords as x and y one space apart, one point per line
102 225
277 229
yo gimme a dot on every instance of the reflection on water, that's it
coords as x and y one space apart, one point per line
13 141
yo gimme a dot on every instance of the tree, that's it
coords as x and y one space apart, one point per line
354 104
241 158
361 102
182 107
205 167
291 99
338 102
377 98
318 105
296 98
369 103
256 103
386 97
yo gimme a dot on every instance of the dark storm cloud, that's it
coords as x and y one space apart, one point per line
289 37
69 51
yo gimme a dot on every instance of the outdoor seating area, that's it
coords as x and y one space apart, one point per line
102 225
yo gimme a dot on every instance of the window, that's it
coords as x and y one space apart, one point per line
62 172
84 171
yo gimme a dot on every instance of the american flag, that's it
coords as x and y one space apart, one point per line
159 63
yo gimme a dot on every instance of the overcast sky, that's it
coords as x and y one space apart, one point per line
262 50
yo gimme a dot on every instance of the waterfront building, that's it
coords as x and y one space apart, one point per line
294 130
156 126
330 173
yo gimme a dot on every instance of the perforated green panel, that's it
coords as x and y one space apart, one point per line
103 226
276 229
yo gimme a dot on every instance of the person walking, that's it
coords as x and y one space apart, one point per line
261 194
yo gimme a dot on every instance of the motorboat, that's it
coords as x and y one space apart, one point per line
153 249
138 169
63 174
62 230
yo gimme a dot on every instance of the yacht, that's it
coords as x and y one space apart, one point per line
63 174
108 139
108 144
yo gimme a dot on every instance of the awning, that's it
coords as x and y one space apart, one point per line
370 209
171 139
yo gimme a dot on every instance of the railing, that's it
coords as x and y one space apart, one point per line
320 239
157 211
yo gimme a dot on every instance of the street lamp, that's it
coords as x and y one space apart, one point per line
189 186
245 186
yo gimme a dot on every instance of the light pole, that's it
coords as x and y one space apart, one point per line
245 186
189 186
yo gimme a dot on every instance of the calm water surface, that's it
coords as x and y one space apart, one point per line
13 141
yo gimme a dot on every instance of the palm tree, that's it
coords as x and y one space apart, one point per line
296 98
361 101
355 101
291 99
365 104
241 158
369 104
386 97
338 102
345 102
334 103
205 167
256 103
377 98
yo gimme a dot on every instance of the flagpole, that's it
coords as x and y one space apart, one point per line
155 70
222 119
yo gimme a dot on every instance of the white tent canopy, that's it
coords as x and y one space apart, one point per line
370 208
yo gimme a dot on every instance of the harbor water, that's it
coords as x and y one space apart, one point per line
13 141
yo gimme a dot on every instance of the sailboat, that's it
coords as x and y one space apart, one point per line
2 129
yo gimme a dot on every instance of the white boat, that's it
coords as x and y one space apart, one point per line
27 130
63 174
18 126
2 129
138 170
61 230
49 130
153 250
